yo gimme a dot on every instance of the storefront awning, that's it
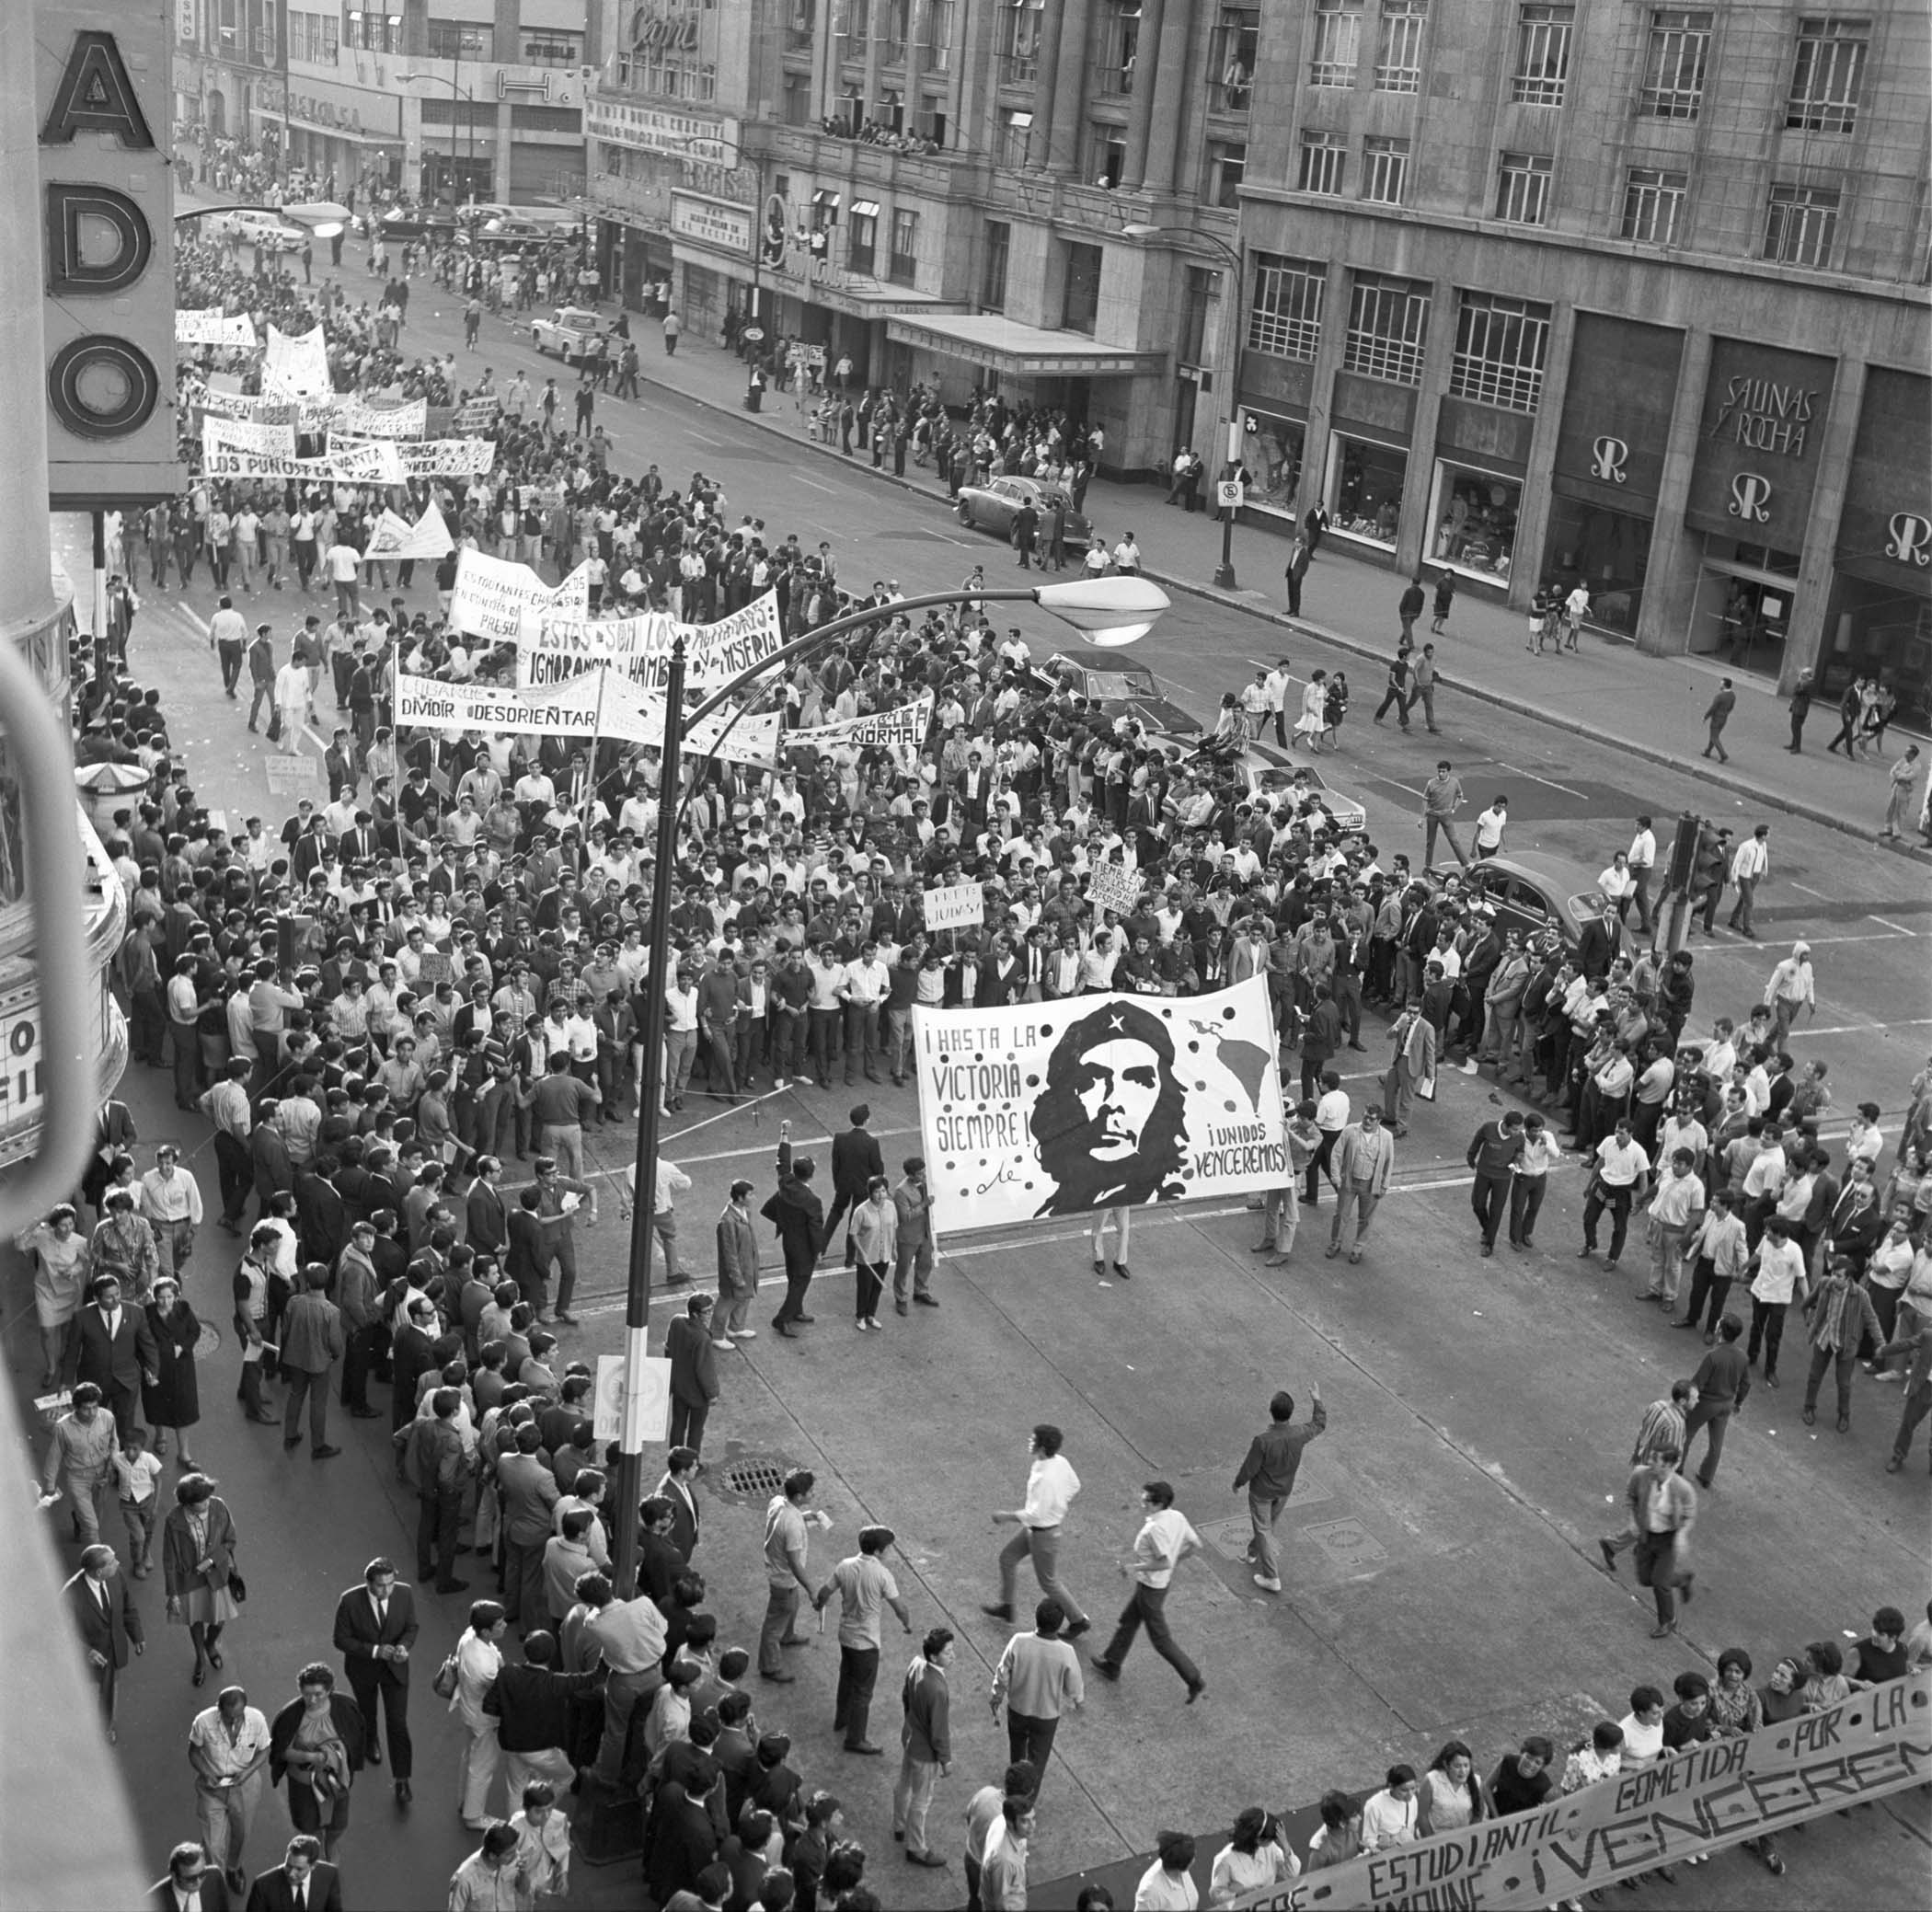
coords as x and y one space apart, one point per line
864 208
1020 351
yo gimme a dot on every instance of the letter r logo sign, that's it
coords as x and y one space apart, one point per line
1608 457
1750 498
1910 540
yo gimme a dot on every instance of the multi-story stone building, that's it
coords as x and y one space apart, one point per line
446 101
1036 194
1619 292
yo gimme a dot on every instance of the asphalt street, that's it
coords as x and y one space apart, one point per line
1441 1569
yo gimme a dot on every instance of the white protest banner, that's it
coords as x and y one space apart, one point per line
448 458
748 739
216 403
493 593
957 906
373 462
470 707
1679 1807
477 415
250 436
555 647
1115 886
396 537
1098 1102
356 415
212 326
905 728
296 364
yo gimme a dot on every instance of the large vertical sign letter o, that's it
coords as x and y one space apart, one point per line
101 387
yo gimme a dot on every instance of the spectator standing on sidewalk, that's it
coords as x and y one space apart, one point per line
925 1740
1039 1678
1716 715
1268 1471
1898 806
673 326
1408 608
1301 554
864 1585
1801 709
1444 600
738 1262
1749 867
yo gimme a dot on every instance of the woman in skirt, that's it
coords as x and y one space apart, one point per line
197 1562
60 1273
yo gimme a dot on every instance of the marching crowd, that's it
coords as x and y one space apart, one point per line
381 1000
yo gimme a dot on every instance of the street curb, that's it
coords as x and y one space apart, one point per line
1234 601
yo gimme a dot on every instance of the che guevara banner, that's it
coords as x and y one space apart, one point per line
1684 1805
1098 1102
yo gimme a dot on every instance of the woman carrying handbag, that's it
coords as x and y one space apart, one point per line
198 1568
174 1400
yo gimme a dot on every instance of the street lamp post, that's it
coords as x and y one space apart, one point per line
1225 572
1110 611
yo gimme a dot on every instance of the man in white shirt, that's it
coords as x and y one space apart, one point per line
1621 1166
1489 825
1051 1486
1642 860
1677 1209
1792 989
228 1750
1619 887
1748 870
1166 1540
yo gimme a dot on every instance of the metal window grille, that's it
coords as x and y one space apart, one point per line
1388 328
1653 202
1542 55
1829 73
1802 223
1673 65
1399 46
1522 188
1337 43
1324 160
1500 348
1385 169
1285 319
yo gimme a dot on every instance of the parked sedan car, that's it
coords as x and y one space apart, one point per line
994 505
415 223
267 232
574 335
1533 895
1120 688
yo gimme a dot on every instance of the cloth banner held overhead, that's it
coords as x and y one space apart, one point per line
351 414
296 364
493 593
750 740
554 648
1096 1101
212 326
249 437
1686 1804
394 538
905 728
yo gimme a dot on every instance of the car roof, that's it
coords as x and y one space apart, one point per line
1091 657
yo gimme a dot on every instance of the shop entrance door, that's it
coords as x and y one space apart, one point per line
1741 617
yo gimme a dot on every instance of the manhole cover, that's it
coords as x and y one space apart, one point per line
1346 1542
759 1478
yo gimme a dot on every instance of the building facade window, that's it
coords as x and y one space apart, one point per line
1231 64
893 30
550 47
1016 134
1673 65
1106 153
1080 306
1388 328
370 32
795 98
862 237
1324 162
1500 348
801 24
904 268
1653 202
1399 46
1365 483
1336 44
1802 223
1120 48
1227 163
1522 188
1542 55
936 36
1015 41
314 36
1285 319
1829 73
460 39
1385 169
992 274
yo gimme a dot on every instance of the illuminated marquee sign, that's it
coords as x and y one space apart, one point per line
101 89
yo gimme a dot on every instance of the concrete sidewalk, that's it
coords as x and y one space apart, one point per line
1607 690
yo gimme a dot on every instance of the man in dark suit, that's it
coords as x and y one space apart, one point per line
375 1629
694 1372
303 1881
117 1353
679 1486
856 1160
191 1884
108 1620
659 1561
680 1839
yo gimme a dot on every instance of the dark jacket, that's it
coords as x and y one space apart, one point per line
348 1718
117 1361
357 1634
109 1634
1274 1455
535 1706
797 1213
179 1558
855 1158
272 1892
215 1891
694 1365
